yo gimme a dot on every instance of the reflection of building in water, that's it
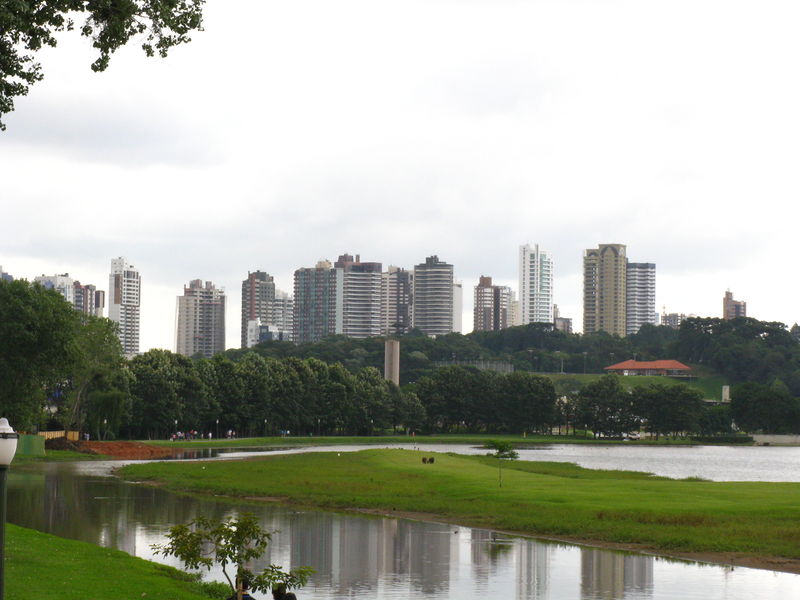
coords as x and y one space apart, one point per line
533 562
351 553
610 575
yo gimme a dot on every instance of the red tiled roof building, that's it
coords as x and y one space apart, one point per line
651 367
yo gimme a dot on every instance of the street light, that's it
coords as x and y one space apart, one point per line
8 447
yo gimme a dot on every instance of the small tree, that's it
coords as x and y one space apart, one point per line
502 450
229 543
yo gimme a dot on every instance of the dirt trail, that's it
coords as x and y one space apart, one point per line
115 450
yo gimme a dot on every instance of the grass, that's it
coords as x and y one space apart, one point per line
709 385
46 566
382 440
553 499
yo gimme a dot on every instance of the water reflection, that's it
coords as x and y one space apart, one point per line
370 557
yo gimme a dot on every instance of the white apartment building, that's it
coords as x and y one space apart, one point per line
640 296
433 301
124 285
535 285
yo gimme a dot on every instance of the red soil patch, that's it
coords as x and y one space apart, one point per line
116 450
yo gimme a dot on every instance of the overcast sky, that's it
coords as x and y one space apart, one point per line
287 132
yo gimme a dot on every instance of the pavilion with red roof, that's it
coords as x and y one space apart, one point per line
671 368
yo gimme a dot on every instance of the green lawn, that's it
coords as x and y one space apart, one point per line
44 566
709 385
554 499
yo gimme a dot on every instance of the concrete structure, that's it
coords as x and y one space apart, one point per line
200 320
391 361
535 284
88 300
640 296
361 296
458 307
5 276
491 306
318 302
258 293
281 314
604 289
63 284
124 298
672 320
561 323
258 332
396 286
731 309
432 303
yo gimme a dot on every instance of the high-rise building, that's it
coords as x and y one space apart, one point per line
640 296
731 308
318 302
361 296
492 305
124 290
5 276
535 284
258 293
604 289
200 321
281 314
672 320
432 303
458 306
396 285
88 299
63 284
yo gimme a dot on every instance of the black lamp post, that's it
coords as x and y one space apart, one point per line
8 447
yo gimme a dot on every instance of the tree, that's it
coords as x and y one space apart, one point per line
38 329
26 26
234 542
606 408
502 450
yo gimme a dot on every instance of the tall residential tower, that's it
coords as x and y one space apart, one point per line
124 291
432 303
535 284
200 320
604 289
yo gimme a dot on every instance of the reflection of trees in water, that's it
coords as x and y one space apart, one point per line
610 575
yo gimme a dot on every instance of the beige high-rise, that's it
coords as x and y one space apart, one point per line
604 289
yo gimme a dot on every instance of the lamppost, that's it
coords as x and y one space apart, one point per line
8 447
105 429
217 428
265 428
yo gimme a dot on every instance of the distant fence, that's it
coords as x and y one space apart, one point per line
482 365
72 436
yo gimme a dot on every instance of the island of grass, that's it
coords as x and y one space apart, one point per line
39 565
753 524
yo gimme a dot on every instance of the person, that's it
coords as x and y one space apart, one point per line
279 593
245 595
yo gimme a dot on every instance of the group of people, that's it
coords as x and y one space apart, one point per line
278 593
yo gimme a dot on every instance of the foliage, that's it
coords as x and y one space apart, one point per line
26 27
232 543
770 409
502 449
668 409
606 408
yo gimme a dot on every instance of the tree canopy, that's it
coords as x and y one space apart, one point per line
26 26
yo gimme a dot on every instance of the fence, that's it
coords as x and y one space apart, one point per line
72 436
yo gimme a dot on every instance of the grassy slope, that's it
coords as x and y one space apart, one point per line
546 498
709 385
44 566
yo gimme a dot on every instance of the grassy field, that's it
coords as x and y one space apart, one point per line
553 499
44 566
378 440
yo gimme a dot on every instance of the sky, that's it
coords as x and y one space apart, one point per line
289 132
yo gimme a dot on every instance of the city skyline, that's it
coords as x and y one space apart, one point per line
565 124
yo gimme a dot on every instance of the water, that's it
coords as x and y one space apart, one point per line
380 558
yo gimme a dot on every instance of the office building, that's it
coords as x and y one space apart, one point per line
432 297
604 289
396 285
124 291
318 302
491 306
200 321
731 309
258 293
535 284
640 296
361 296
